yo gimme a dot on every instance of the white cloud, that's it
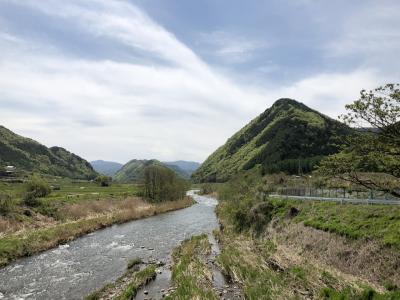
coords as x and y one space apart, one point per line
330 92
153 110
118 110
371 33
231 47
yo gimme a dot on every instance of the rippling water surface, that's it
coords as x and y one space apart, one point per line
74 270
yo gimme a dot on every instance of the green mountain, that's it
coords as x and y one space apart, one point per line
108 168
28 155
134 170
288 137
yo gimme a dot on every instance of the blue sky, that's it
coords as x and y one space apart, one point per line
174 79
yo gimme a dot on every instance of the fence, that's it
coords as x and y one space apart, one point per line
338 195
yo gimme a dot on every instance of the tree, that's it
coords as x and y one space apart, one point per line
162 184
35 188
375 147
380 109
103 180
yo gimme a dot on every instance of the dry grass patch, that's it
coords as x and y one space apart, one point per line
76 211
362 261
291 261
33 241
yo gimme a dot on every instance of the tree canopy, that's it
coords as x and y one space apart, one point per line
162 184
375 148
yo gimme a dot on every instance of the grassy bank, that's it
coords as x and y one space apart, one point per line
286 260
307 250
32 241
126 286
68 200
370 222
190 273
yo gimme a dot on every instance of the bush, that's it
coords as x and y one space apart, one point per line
260 215
7 205
207 188
35 188
103 180
251 215
391 287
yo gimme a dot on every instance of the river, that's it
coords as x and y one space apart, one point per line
74 270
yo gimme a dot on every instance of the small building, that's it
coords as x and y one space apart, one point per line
8 171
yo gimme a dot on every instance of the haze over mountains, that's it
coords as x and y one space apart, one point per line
108 168
187 166
288 137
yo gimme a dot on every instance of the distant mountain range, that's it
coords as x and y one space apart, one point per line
108 168
28 155
134 169
288 137
188 166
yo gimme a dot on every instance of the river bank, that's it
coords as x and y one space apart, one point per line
191 272
32 241
287 250
307 250
195 273
126 286
86 264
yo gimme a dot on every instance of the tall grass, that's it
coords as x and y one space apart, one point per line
190 272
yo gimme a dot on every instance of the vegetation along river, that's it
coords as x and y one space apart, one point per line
84 265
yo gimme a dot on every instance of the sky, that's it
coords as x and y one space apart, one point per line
174 79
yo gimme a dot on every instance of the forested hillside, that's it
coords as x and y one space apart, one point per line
28 155
134 170
288 137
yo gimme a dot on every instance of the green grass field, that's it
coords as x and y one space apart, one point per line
68 190
372 222
259 267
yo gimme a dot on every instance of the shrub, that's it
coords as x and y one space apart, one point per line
7 205
103 180
260 215
391 286
253 215
207 188
35 188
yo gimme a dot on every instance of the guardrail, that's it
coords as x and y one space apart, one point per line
339 200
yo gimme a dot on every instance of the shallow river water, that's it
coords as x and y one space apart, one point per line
84 265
